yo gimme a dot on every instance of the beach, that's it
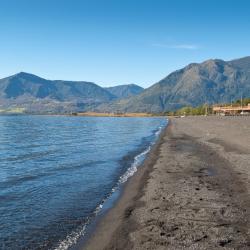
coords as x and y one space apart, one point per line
192 191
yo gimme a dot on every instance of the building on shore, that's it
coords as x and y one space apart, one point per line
231 110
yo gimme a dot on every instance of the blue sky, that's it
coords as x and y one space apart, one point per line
114 42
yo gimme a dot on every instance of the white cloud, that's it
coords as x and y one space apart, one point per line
177 46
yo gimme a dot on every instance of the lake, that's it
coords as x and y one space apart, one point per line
56 172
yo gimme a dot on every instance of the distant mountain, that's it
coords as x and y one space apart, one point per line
125 91
213 81
38 94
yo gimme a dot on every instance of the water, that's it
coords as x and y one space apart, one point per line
56 172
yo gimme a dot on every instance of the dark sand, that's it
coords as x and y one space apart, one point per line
191 193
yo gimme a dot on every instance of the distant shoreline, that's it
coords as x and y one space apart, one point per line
114 114
89 114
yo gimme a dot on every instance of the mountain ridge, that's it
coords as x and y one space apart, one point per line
125 90
34 93
212 81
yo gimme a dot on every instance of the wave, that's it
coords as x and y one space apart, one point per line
73 237
138 159
131 170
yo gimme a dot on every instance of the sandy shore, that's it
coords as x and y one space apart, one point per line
191 193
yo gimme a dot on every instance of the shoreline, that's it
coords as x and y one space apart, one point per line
128 193
192 191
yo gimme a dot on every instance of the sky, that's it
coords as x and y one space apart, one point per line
113 42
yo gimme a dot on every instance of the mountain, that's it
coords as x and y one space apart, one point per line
38 94
242 63
213 81
125 91
31 85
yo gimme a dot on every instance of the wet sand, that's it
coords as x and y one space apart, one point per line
191 193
